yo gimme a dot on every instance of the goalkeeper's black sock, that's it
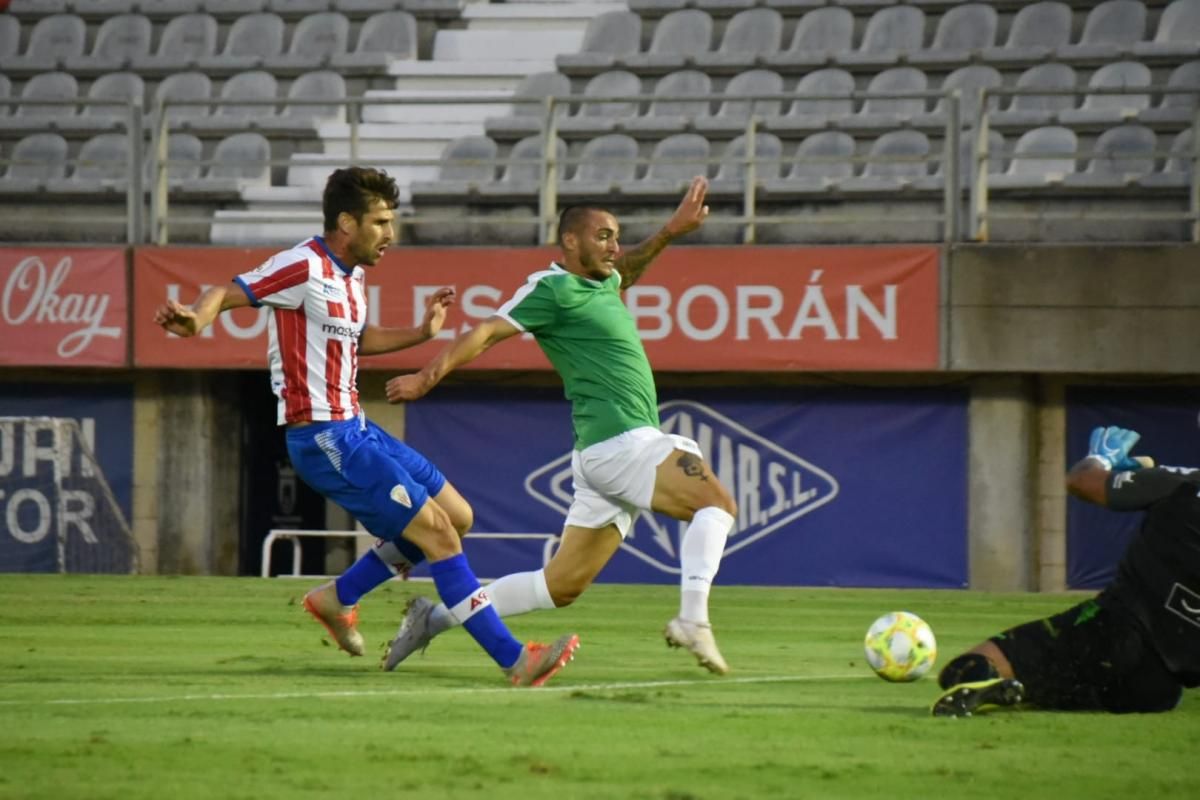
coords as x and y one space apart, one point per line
967 668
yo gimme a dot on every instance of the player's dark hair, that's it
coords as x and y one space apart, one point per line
573 216
353 189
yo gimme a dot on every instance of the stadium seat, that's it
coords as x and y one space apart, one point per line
970 81
1121 155
892 112
1177 107
1038 31
102 8
183 86
316 85
890 33
116 86
104 157
962 33
184 153
525 119
383 38
521 174
732 113
821 161
234 8
604 117
38 157
810 110
608 36
466 164
468 160
1182 154
53 41
119 42
1178 34
896 159
731 169
294 8
10 37
316 40
819 36
606 164
678 37
672 116
252 39
1106 108
997 157
1030 110
5 94
1041 157
243 158
49 86
674 161
1110 31
749 36
249 85
185 40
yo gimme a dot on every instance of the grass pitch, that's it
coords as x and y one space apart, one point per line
181 688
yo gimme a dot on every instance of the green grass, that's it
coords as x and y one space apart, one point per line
174 688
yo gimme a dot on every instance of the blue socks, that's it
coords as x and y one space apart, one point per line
470 605
363 576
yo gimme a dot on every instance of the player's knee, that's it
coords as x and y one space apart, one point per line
967 668
566 590
462 520
433 532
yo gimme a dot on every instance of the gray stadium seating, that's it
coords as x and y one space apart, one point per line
880 173
316 40
522 169
1030 110
821 160
251 40
962 32
384 37
38 157
10 37
316 85
184 153
819 35
241 157
1037 32
888 112
1177 108
185 40
749 36
677 38
117 86
605 164
890 33
54 40
119 42
525 119
672 116
1111 30
5 94
731 169
1121 156
830 82
1108 108
184 86
1178 34
607 36
732 113
604 117
49 86
674 161
1042 156
249 85
970 81
104 157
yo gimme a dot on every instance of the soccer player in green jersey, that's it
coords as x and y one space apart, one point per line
622 462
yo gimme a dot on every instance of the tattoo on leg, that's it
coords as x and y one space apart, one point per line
692 466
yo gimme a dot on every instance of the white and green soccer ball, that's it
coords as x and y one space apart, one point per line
900 647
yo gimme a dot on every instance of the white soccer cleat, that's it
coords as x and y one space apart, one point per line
413 635
697 637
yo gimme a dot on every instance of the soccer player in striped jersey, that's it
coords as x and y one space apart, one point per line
317 330
622 462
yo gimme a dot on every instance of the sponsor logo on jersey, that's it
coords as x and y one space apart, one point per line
1122 478
400 495
1184 602
344 331
772 487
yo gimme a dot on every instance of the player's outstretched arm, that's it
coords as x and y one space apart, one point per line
184 320
463 350
375 339
689 216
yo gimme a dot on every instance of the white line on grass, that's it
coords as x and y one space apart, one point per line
558 688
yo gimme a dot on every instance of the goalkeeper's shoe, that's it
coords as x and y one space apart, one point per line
539 663
414 633
965 699
697 637
341 621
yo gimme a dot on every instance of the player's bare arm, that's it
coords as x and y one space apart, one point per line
185 321
376 339
463 350
1088 480
689 216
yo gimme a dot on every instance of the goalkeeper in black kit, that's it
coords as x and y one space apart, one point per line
1135 646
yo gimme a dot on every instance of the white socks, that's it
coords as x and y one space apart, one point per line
699 559
511 595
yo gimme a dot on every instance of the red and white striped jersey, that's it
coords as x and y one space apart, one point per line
318 311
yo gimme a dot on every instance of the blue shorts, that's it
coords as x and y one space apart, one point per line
367 471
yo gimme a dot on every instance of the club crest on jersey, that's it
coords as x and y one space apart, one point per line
400 495
1185 603
772 486
332 290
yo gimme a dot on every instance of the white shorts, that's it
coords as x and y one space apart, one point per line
614 479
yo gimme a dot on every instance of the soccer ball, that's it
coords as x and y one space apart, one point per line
900 646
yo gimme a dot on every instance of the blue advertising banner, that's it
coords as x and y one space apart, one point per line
53 510
834 487
1168 418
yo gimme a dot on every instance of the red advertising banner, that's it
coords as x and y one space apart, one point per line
697 308
63 307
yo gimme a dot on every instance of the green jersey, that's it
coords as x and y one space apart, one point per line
589 336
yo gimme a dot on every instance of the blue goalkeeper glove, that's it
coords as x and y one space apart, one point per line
1111 446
